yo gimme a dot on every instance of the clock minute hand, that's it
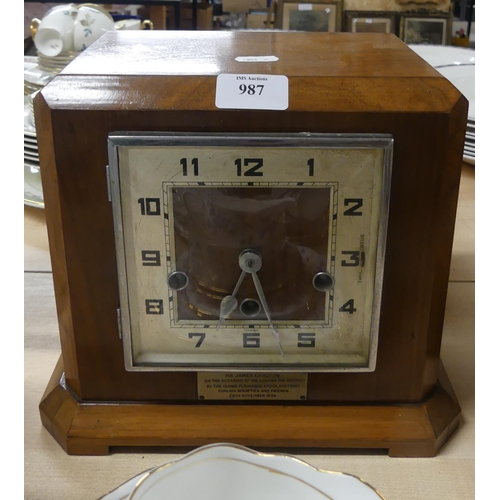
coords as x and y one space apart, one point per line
260 293
250 261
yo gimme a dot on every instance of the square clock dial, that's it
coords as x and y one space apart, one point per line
250 252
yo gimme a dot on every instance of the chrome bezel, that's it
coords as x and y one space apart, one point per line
291 140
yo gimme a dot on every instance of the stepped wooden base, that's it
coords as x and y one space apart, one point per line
405 430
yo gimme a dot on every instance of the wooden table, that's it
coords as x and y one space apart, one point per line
51 474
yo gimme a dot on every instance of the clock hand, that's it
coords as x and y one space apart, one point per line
229 303
260 293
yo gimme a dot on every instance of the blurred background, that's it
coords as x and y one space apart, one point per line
441 31
287 14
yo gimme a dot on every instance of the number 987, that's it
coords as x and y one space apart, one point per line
251 89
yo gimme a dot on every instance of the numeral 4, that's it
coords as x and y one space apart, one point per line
348 307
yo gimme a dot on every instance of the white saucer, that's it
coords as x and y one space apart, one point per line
227 471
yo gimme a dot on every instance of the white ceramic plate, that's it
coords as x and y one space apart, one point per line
33 195
29 128
457 64
30 62
227 472
30 150
463 78
442 55
469 159
31 158
34 75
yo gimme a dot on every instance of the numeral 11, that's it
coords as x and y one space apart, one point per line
184 164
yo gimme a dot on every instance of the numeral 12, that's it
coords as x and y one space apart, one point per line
253 171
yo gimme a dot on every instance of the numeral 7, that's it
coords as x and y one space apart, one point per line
200 336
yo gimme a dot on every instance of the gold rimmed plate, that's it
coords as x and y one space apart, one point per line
227 471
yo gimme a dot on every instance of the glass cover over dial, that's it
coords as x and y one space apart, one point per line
250 252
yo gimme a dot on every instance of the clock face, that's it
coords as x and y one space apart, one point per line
250 252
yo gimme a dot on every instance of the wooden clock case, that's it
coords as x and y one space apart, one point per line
338 83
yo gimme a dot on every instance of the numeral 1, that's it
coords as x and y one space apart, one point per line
311 167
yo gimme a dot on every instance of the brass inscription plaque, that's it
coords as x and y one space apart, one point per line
252 386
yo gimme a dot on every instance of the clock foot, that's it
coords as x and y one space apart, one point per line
405 430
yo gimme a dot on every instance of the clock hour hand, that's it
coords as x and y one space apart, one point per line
229 303
250 261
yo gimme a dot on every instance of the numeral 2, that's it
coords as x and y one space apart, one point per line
357 203
251 172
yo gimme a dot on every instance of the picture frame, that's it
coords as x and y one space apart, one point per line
425 28
317 16
370 22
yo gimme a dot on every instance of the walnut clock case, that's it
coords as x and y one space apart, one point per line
266 277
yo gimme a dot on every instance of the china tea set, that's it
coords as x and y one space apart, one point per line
66 30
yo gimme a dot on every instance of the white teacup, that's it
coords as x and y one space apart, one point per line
54 33
91 23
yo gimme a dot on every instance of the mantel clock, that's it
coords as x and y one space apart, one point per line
250 236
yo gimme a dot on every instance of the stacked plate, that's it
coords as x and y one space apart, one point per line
33 195
457 64
57 63
470 141
35 78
